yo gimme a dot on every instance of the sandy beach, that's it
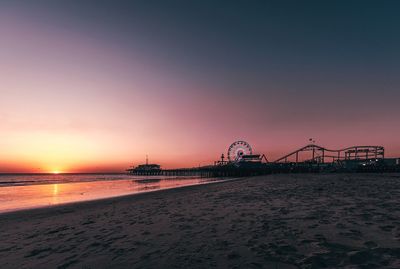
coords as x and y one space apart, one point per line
274 221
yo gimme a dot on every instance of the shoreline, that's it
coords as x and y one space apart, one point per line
36 183
93 202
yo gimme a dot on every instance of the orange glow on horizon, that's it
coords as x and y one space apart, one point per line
76 100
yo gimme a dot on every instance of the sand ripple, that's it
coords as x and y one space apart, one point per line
276 221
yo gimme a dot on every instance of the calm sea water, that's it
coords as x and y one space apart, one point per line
31 191
33 179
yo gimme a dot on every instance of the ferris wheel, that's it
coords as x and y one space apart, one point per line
237 150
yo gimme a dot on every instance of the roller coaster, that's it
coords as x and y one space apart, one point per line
323 155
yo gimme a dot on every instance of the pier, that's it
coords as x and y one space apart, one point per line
241 161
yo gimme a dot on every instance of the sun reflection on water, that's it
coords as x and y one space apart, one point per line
55 189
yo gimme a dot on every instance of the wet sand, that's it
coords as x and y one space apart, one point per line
275 221
13 198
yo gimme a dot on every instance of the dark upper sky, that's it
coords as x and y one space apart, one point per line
301 66
301 46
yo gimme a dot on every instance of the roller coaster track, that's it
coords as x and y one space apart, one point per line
319 154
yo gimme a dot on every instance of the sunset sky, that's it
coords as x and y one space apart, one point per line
90 86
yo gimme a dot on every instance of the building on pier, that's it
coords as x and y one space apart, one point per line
145 169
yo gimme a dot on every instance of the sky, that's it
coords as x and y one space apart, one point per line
95 86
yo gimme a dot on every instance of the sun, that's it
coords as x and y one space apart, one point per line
55 172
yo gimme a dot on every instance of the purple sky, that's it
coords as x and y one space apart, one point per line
96 87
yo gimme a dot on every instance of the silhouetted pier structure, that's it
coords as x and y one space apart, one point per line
222 171
308 159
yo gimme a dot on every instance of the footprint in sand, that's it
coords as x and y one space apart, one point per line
387 228
233 255
370 244
36 252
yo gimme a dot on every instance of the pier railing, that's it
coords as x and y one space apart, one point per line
273 168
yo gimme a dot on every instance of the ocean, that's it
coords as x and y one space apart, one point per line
26 191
